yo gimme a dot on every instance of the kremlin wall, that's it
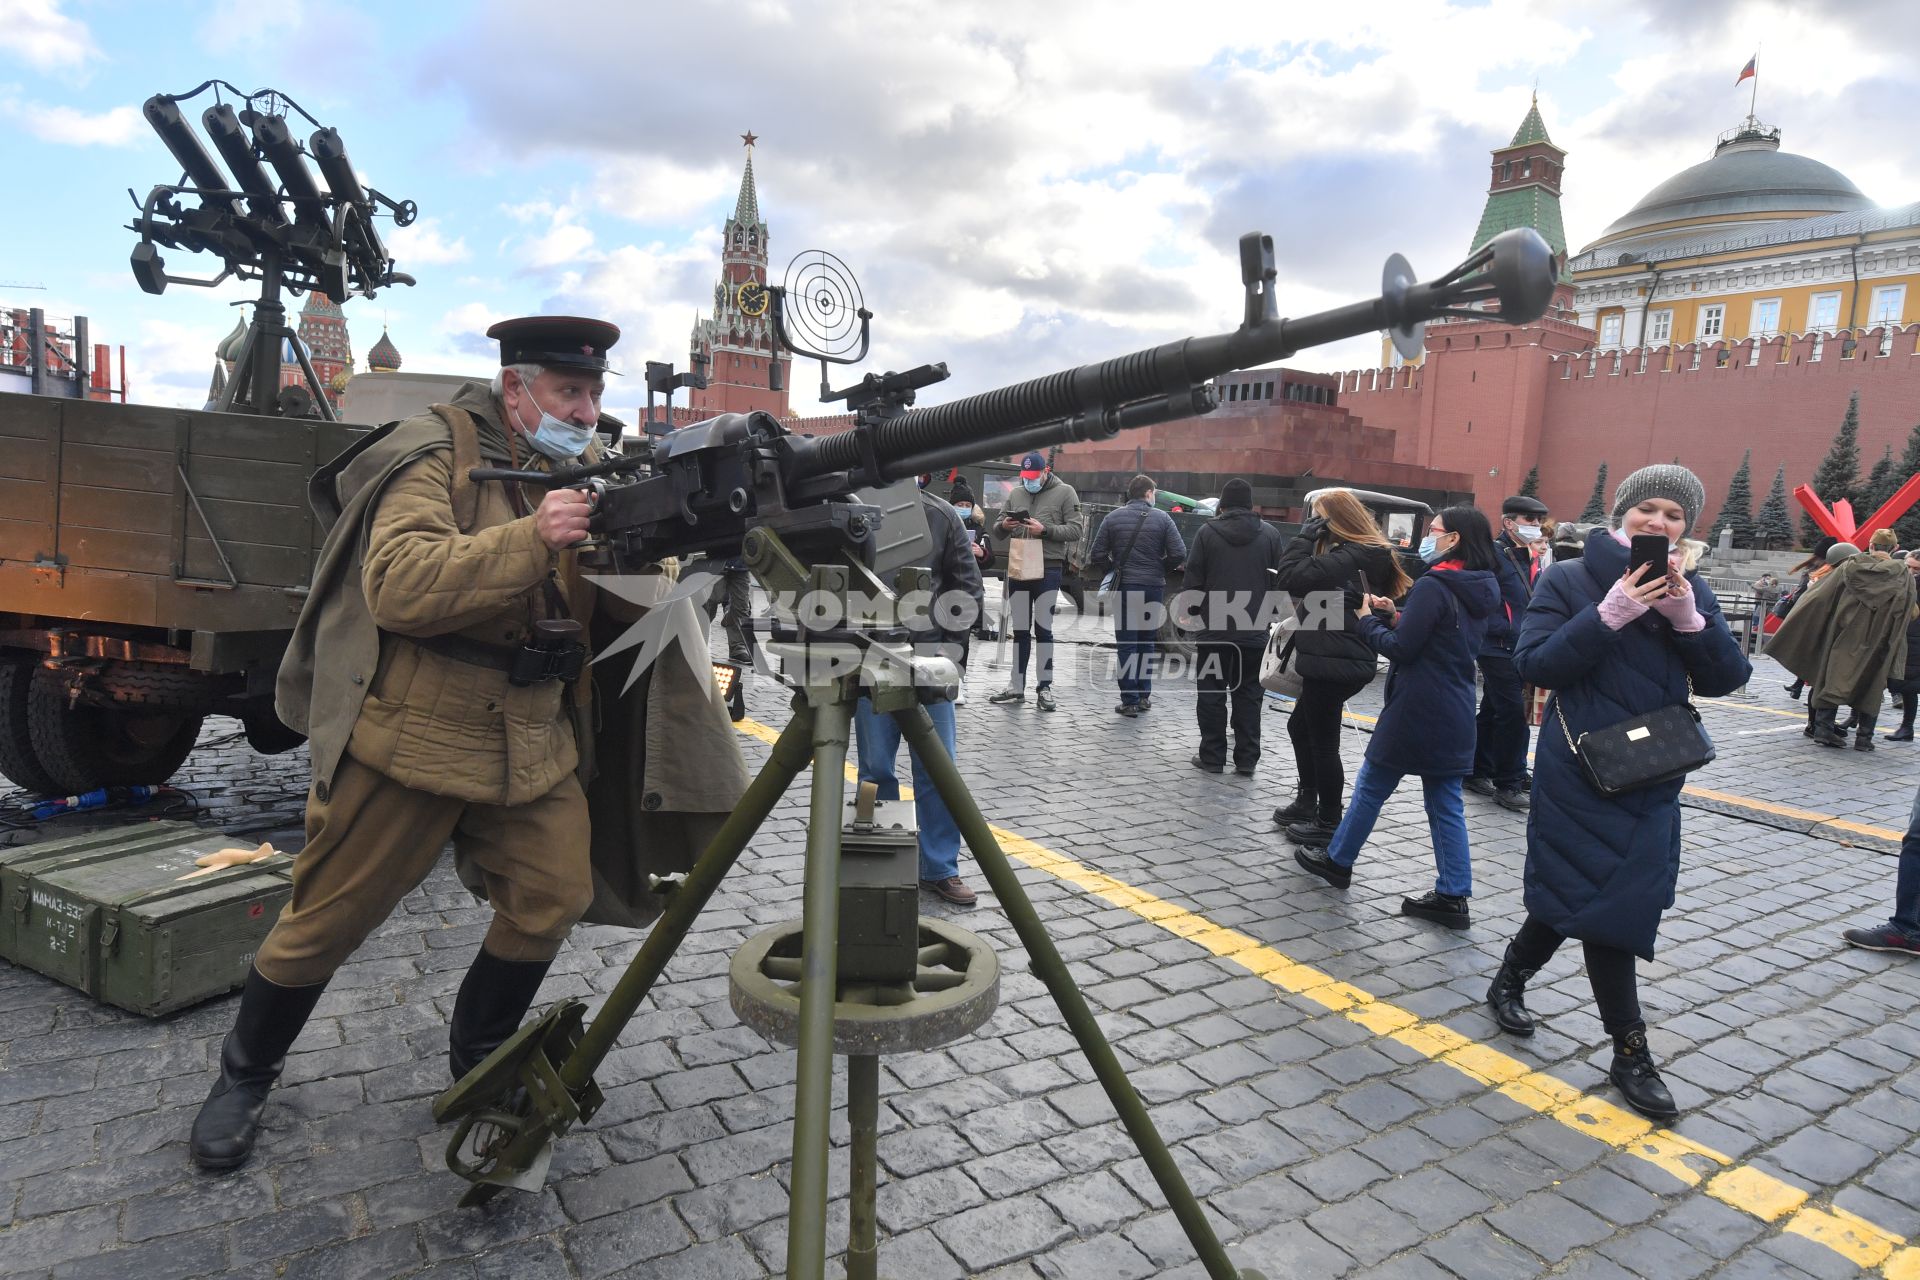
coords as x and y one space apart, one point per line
1494 401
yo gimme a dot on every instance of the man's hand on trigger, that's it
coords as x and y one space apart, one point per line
561 519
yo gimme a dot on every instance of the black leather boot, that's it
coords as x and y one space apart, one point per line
494 997
1863 732
1638 1080
1506 998
269 1020
1905 732
1824 731
1302 808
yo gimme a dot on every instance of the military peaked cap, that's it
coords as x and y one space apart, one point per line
567 342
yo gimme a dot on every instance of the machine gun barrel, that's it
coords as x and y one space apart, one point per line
1160 384
230 139
283 153
163 113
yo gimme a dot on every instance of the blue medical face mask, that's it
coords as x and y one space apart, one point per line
556 437
1429 551
1033 486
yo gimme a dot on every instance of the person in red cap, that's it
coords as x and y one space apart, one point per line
1046 508
453 703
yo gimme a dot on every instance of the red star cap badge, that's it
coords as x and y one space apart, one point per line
586 348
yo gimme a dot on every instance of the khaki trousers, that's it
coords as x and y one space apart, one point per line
373 840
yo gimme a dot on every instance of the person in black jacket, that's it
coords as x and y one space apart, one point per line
1426 727
1338 558
876 738
1230 570
1140 542
1500 729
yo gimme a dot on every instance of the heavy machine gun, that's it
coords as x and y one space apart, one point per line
859 973
298 236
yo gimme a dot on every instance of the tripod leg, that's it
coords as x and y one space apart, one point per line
820 921
790 755
1052 970
863 1114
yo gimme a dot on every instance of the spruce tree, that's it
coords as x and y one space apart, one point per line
1773 526
1838 475
1908 526
1736 513
1530 487
1595 511
1879 487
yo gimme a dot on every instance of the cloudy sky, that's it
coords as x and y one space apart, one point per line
1019 187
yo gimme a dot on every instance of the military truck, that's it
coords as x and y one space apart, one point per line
152 564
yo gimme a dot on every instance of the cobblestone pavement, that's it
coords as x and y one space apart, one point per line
1323 1067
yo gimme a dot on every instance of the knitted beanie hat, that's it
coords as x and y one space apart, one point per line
1236 493
1667 480
960 492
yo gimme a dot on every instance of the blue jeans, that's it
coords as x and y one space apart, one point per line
1446 820
1906 892
1134 640
876 744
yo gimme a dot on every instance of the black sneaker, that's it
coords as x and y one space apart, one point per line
1326 868
1043 699
1481 786
1145 704
1301 810
1204 767
1512 798
1312 833
1884 937
1009 694
1127 709
1244 770
1441 908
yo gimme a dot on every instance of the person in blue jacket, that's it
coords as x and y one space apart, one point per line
1426 727
1603 868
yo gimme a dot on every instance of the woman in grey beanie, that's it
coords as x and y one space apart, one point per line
1601 868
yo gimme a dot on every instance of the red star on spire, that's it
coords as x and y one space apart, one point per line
749 138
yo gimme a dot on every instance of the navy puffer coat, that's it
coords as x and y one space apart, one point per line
1426 727
1603 869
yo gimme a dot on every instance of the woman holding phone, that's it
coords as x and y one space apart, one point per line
1426 727
1615 635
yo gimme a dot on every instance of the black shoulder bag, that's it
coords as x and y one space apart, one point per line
1643 751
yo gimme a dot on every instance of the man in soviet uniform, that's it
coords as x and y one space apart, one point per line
437 670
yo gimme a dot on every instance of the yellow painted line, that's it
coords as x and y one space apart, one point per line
1742 1187
1745 706
1817 818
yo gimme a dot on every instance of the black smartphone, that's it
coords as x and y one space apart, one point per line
1646 548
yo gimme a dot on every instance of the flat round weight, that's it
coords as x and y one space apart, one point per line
862 1026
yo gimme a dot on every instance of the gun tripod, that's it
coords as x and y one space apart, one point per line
540 1082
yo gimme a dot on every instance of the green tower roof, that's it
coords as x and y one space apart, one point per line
1532 129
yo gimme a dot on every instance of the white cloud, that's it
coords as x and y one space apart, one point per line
423 245
68 126
45 38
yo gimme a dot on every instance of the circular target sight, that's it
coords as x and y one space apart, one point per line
831 308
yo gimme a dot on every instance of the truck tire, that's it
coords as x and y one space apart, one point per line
149 684
17 758
83 747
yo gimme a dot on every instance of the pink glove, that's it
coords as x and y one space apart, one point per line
1618 608
1678 608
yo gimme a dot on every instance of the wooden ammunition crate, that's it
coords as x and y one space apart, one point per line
108 913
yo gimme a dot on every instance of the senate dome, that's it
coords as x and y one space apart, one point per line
1748 185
